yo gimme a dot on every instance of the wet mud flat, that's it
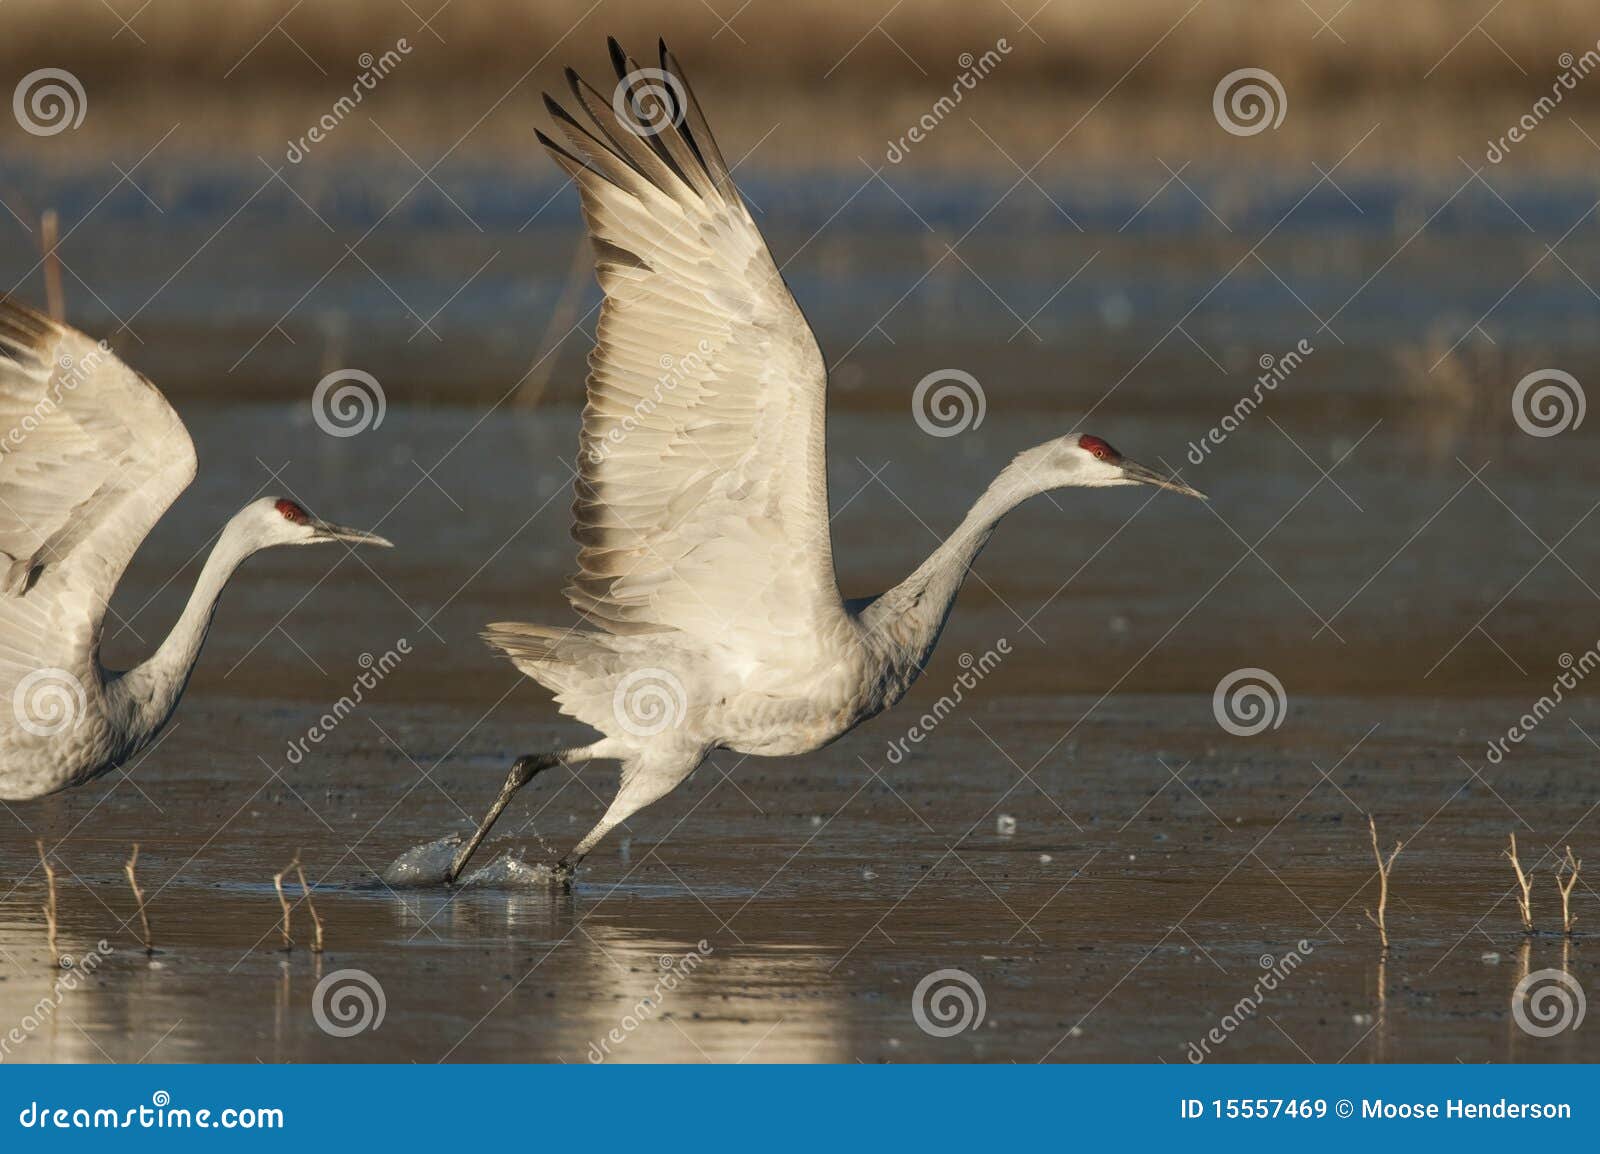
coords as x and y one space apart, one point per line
790 911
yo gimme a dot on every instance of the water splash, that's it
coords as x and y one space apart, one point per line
510 872
424 865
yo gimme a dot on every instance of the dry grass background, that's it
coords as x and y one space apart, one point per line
250 74
1069 43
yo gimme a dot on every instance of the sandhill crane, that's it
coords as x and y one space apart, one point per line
713 619
91 456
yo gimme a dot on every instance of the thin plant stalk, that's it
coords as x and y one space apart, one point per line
49 236
1382 918
305 892
1570 865
1525 884
283 901
131 869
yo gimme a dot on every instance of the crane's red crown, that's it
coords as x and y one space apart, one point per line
1098 448
292 512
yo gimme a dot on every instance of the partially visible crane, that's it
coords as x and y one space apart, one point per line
91 456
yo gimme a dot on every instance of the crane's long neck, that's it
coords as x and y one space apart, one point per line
150 690
907 620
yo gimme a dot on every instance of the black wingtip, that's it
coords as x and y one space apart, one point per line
619 58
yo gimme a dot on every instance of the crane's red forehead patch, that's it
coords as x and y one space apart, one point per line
292 512
1101 450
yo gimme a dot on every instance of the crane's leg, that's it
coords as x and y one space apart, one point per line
523 770
646 778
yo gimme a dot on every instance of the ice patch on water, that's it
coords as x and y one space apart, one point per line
424 865
510 872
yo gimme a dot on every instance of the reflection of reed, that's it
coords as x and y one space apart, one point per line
49 905
1514 1031
1382 1030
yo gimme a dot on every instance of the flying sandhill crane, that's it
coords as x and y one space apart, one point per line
705 573
91 456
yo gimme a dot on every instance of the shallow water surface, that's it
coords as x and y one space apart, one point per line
1110 870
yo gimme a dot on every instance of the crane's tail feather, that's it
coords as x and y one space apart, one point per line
553 657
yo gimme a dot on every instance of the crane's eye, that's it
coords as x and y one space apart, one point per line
292 512
1097 448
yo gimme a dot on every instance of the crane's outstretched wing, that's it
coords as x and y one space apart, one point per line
91 456
701 499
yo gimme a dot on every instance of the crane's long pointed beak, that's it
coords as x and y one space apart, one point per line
1148 476
327 531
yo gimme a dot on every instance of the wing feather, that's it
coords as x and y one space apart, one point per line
91 456
701 500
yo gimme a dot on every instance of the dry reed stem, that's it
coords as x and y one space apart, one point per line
305 891
277 884
131 869
1381 921
1525 882
1572 865
562 320
50 904
49 235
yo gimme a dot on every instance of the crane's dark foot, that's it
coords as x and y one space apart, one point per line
523 770
565 871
